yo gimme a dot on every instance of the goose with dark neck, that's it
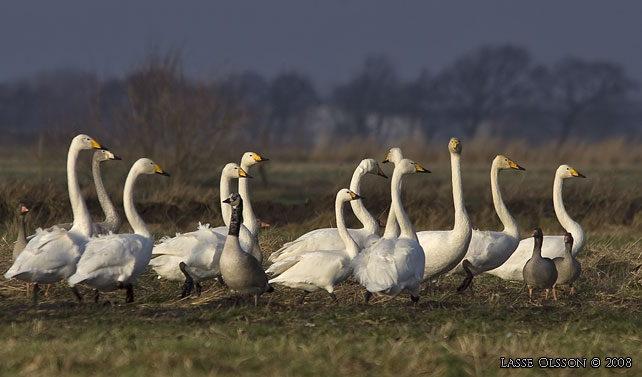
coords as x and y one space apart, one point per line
242 273
21 240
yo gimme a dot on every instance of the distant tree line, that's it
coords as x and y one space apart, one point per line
493 92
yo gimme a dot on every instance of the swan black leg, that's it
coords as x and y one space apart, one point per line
468 279
269 289
199 289
305 293
189 282
96 295
129 296
368 296
414 298
220 280
35 295
334 297
74 290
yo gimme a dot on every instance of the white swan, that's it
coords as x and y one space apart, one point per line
250 221
112 220
488 249
393 156
445 249
322 269
194 256
51 256
553 246
394 264
113 261
329 238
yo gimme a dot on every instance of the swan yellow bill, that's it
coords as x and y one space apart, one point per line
576 173
243 174
387 159
355 196
158 170
96 145
513 165
258 158
420 169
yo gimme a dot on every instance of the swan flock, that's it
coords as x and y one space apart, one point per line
386 263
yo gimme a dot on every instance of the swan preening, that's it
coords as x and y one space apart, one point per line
94 254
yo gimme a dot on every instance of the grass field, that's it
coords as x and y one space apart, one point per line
446 334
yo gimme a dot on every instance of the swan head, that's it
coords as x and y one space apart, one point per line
369 165
234 200
566 171
83 141
407 166
394 155
105 155
22 209
502 162
454 145
568 239
147 166
251 158
537 234
233 170
346 195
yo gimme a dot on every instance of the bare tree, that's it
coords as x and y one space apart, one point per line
370 95
484 84
574 88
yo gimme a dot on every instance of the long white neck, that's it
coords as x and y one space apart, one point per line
369 223
392 227
406 228
226 210
82 221
112 220
134 219
462 223
563 217
249 218
351 246
510 225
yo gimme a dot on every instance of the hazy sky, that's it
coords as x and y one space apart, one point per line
326 39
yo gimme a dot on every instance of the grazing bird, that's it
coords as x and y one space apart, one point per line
322 269
539 272
242 273
113 261
52 255
568 268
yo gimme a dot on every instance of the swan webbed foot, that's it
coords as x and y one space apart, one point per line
305 293
414 298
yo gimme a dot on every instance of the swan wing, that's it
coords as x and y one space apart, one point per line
49 257
316 270
320 239
375 267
